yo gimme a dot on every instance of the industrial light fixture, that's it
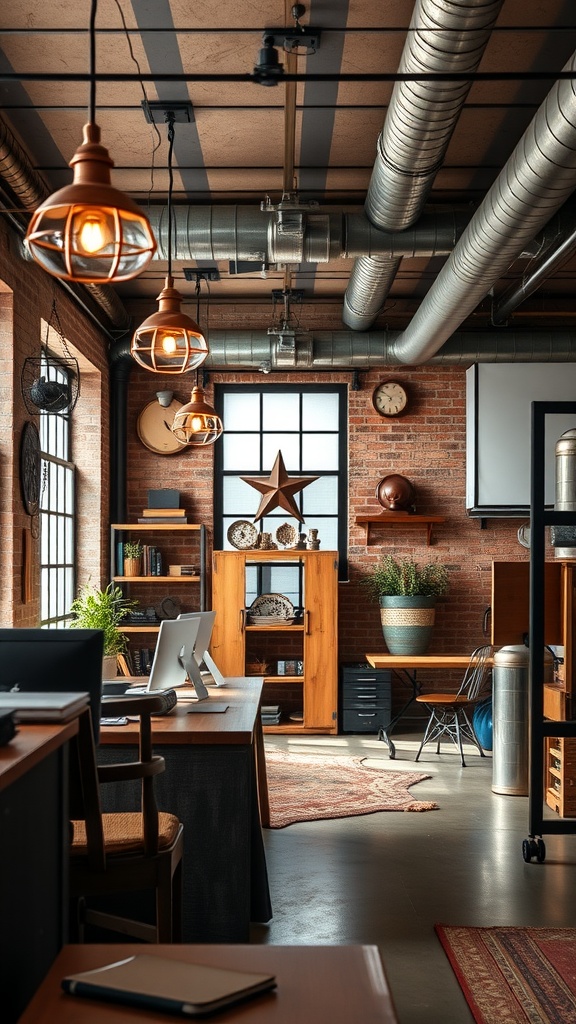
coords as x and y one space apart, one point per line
89 231
169 341
197 422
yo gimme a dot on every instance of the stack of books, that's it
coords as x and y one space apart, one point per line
163 515
181 570
270 714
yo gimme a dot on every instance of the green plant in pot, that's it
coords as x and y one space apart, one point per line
133 551
105 610
407 594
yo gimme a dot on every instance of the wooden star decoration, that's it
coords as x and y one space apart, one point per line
278 490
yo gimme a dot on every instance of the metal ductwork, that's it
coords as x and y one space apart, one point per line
348 350
18 173
444 36
537 179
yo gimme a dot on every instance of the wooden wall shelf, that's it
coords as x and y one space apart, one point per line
393 518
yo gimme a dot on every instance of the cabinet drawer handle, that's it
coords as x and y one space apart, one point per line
242 619
307 622
363 714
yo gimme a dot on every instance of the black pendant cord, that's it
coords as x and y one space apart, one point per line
92 106
170 122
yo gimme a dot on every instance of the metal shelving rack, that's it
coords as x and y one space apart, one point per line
539 727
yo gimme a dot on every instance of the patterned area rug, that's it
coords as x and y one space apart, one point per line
515 975
307 787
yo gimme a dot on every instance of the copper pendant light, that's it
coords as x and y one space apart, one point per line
197 422
169 341
89 231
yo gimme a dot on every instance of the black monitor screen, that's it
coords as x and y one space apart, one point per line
52 661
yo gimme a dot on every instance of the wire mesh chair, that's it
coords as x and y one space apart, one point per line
451 713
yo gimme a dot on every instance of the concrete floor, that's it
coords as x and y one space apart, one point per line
387 878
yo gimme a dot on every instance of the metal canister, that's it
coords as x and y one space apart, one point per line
565 494
510 716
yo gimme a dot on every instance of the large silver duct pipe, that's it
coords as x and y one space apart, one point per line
20 176
444 36
536 181
246 233
348 350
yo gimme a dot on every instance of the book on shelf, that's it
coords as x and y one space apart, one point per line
168 986
163 519
162 513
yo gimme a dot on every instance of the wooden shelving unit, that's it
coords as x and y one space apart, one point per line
387 519
313 641
560 775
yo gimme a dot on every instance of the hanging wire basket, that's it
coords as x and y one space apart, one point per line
51 383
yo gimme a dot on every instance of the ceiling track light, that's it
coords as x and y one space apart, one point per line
169 341
89 231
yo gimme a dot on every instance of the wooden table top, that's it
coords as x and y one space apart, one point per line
418 660
31 744
235 725
323 984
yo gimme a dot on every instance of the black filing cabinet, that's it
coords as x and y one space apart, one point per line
365 698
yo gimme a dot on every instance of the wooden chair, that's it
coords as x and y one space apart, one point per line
450 713
124 852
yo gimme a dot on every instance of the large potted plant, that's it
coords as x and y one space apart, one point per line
105 610
407 594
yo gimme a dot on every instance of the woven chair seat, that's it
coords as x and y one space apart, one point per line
123 833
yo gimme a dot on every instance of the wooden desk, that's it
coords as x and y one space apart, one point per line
319 984
408 665
33 859
210 783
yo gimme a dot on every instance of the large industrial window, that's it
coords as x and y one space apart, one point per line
57 526
307 423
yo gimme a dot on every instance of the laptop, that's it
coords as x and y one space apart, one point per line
201 653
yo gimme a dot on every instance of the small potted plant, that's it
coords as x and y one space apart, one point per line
407 594
105 610
133 552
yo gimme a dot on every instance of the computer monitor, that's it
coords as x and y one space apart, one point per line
201 653
53 661
174 663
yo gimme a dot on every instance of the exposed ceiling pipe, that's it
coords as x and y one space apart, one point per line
248 234
535 182
444 36
341 350
540 269
27 185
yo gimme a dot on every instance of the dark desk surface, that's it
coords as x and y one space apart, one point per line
31 744
236 725
315 985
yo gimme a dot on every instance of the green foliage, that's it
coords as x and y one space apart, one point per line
105 610
405 578
133 549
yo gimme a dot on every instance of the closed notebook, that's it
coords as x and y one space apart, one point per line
43 707
169 986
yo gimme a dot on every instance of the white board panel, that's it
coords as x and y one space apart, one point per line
498 427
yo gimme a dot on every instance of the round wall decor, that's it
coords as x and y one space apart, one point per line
30 468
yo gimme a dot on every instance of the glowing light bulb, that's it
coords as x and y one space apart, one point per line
197 424
169 344
91 234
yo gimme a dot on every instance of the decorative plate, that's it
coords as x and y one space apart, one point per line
287 535
242 535
272 606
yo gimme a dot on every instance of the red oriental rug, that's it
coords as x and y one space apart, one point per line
515 975
307 787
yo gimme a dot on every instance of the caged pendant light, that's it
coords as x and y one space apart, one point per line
197 422
169 341
89 231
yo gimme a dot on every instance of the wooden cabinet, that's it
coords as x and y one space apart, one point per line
560 775
180 544
298 661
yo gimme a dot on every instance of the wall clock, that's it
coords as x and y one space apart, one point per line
30 468
390 398
154 427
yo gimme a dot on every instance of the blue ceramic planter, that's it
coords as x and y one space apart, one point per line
407 623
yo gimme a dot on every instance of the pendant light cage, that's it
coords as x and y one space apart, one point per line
169 341
197 423
89 231
50 383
